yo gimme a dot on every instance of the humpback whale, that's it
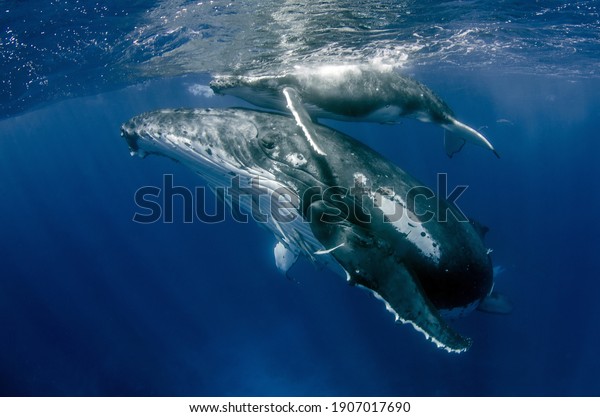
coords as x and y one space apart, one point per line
351 93
332 199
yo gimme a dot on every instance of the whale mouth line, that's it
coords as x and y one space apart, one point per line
131 139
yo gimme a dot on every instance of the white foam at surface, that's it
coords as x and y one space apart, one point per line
201 90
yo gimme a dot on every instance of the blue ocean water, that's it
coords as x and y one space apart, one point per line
92 303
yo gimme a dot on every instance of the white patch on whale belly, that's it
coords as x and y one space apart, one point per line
412 229
393 207
385 114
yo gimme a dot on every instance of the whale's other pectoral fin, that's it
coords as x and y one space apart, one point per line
295 106
496 303
404 298
457 133
285 257
453 143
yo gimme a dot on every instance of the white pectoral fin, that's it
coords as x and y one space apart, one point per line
285 257
457 134
294 104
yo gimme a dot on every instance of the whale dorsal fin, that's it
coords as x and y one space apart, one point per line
294 104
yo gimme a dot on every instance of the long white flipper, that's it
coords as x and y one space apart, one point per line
303 120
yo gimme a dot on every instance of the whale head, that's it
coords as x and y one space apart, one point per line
224 140
189 132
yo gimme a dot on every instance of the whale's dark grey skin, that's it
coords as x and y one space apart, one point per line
352 93
346 207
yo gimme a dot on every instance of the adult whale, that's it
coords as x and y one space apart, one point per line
353 92
330 198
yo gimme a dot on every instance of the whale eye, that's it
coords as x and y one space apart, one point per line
267 143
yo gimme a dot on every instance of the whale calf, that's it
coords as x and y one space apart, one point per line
354 93
337 202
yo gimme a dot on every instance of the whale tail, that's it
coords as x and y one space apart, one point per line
457 134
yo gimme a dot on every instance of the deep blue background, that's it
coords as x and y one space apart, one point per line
93 304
